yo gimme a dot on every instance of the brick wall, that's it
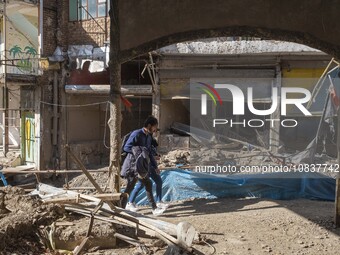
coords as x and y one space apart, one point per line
93 32
59 31
49 27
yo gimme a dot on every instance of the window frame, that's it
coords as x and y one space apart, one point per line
79 13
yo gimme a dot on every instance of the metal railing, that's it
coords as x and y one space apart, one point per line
92 27
18 62
13 126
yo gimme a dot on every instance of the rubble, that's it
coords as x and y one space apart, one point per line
175 157
88 221
21 217
69 236
181 235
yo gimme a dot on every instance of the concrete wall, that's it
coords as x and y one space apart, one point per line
173 111
87 133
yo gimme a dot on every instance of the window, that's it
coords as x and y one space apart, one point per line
87 9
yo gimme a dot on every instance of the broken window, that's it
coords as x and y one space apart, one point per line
88 9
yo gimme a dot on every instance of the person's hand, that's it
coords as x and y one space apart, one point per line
158 171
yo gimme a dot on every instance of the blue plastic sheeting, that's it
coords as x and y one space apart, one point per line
184 184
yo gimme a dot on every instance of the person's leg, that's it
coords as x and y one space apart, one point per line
135 191
159 183
148 188
131 181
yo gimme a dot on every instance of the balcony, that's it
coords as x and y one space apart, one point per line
19 62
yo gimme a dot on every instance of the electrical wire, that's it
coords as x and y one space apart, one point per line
213 247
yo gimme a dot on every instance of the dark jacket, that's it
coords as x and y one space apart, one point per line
138 138
137 163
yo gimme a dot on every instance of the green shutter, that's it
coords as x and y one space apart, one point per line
73 8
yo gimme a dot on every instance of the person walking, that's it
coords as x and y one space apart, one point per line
136 166
154 174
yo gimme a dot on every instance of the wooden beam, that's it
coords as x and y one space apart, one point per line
89 176
81 198
85 171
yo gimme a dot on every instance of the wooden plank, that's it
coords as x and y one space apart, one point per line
123 216
108 196
18 168
88 175
64 223
85 171
81 197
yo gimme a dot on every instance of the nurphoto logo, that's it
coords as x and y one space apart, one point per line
238 103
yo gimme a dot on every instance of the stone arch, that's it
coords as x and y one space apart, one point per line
147 25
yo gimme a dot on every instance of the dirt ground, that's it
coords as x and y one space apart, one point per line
230 226
20 219
256 226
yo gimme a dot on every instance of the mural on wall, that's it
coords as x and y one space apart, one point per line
22 37
24 59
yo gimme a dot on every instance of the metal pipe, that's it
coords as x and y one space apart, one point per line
55 109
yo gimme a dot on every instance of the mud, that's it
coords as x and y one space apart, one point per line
20 218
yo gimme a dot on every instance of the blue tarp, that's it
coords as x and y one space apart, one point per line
181 184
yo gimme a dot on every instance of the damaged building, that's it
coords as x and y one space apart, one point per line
61 96
20 93
267 64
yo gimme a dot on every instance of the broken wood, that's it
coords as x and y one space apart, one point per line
181 235
143 248
158 227
85 171
63 223
88 175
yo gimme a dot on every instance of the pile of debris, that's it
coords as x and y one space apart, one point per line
64 221
174 158
21 218
178 237
12 159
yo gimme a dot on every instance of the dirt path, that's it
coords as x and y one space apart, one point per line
258 226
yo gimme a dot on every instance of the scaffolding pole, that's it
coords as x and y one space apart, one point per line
5 134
